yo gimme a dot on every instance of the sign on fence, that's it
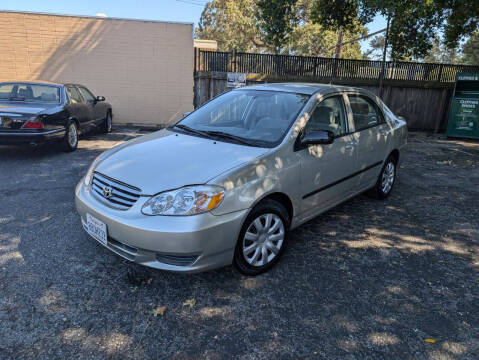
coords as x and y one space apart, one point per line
234 80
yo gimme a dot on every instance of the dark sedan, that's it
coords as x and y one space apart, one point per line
36 112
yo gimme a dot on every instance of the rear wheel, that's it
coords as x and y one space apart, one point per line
107 123
262 239
70 140
386 179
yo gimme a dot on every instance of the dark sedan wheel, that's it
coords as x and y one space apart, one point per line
386 179
107 124
262 239
70 141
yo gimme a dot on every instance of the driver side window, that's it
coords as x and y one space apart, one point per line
328 115
74 95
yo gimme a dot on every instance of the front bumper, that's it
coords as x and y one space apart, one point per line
173 243
26 137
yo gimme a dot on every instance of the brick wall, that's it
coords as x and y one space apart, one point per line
144 69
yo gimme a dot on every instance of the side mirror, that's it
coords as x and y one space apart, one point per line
100 98
186 113
318 137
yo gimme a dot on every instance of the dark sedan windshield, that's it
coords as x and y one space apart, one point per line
252 117
29 92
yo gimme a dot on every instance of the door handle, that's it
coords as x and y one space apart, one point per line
349 146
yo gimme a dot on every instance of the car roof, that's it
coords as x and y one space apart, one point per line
303 88
38 82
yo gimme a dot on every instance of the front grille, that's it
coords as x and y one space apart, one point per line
113 192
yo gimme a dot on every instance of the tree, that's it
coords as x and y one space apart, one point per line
232 24
439 53
470 50
314 40
415 24
376 47
276 20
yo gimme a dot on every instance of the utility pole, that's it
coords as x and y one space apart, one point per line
383 69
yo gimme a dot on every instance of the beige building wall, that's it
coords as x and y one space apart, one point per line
143 68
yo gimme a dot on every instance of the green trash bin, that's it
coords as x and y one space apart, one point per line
464 113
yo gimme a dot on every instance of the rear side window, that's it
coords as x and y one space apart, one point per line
365 112
74 95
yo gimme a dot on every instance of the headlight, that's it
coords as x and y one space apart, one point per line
188 200
89 174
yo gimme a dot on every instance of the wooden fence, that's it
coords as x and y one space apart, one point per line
321 68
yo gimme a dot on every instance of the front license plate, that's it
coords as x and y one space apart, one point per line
96 228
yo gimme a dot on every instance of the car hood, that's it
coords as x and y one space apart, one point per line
26 108
167 160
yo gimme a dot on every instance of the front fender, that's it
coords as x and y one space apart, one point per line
245 186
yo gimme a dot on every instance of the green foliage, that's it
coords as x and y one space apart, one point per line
470 50
415 24
439 53
313 39
232 24
376 47
276 20
336 14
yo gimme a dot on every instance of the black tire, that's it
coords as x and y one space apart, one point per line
379 191
107 124
265 207
67 144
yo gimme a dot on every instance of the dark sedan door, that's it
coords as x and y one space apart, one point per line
78 108
98 110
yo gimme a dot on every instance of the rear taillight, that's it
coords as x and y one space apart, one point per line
33 123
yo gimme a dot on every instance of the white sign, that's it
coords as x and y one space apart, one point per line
234 80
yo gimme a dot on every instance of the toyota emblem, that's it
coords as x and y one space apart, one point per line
107 192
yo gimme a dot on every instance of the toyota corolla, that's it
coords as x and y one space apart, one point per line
227 182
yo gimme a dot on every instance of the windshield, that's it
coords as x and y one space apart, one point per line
29 92
252 117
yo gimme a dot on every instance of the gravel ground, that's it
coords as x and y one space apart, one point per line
394 279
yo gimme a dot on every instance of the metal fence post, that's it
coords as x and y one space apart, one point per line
233 60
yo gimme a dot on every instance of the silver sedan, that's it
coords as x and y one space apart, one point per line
227 182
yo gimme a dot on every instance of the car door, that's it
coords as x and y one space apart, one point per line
78 108
370 135
326 169
96 108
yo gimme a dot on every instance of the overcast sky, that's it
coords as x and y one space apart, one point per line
167 10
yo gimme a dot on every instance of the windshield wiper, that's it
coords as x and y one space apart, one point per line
218 134
193 131
239 139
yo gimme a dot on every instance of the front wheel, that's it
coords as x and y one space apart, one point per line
262 238
70 141
386 179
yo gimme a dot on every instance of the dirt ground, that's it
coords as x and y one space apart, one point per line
393 279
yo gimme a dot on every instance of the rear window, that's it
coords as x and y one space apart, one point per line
29 92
